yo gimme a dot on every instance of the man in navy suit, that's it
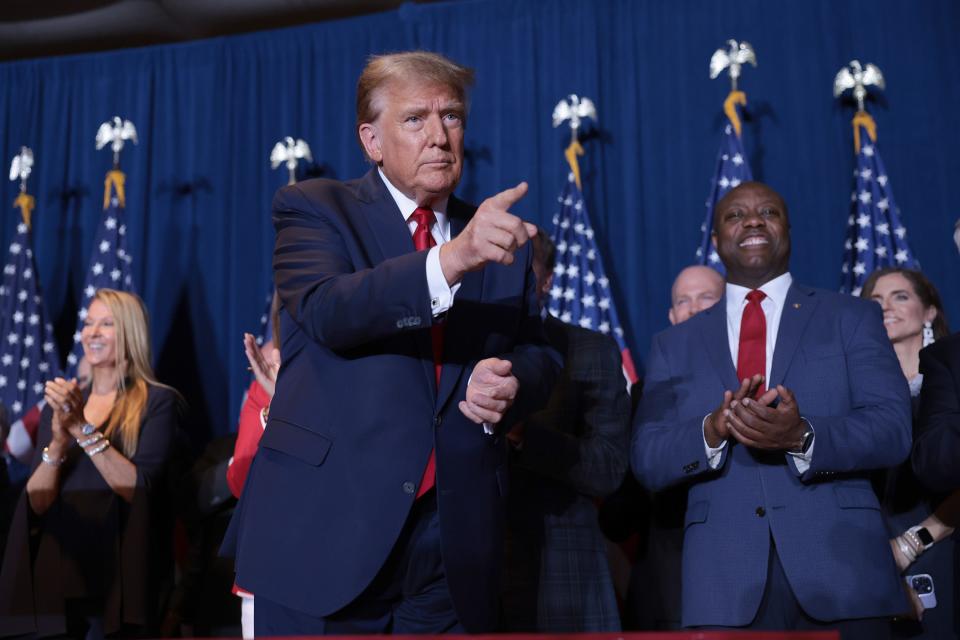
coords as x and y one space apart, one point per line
411 342
774 405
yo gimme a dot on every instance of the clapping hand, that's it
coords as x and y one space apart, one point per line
65 399
754 423
715 428
265 368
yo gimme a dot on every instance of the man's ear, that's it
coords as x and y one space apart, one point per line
672 316
713 239
370 138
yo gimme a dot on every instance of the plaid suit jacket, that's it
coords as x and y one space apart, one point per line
556 577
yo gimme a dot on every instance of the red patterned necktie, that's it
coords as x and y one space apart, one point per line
752 354
423 241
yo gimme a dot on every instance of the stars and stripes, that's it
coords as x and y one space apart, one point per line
266 320
28 353
110 261
732 169
581 293
876 237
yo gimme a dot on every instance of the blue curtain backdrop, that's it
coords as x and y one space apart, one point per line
199 184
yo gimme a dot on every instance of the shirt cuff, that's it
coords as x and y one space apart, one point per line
441 294
803 460
487 427
714 454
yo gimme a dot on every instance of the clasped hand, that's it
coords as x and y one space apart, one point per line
490 391
492 235
753 422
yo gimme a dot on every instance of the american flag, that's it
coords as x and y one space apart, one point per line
110 262
876 237
732 169
28 353
581 291
266 321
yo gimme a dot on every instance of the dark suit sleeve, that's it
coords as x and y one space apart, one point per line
665 449
593 459
334 302
535 364
936 449
876 432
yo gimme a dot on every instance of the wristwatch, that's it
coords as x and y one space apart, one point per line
805 441
926 540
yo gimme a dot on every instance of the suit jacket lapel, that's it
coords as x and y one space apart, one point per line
717 343
798 309
392 235
456 337
383 217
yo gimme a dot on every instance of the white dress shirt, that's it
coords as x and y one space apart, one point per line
441 294
772 306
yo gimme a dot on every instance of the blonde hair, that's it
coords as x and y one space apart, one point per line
423 67
133 367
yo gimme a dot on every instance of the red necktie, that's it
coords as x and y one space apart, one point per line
752 354
423 241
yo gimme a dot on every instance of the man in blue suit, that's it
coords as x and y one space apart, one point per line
411 342
774 405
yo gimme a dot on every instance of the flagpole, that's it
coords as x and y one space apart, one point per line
581 294
732 167
876 235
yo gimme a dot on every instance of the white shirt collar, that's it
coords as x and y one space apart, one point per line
775 289
408 206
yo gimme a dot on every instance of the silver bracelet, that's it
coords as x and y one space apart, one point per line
97 437
914 540
50 460
100 448
906 549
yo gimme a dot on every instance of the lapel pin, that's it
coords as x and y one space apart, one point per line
796 305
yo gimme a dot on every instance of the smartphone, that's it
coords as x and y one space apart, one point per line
922 583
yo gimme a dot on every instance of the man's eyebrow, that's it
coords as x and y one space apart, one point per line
415 108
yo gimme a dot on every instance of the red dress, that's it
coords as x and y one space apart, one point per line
249 431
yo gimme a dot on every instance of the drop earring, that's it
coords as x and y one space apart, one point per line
927 333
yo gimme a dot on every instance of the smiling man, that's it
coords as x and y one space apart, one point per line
412 341
775 405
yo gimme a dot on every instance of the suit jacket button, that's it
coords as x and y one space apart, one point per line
409 488
437 420
761 512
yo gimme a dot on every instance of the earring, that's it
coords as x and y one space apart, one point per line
927 333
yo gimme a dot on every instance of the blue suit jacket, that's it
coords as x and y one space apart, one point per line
833 353
357 409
